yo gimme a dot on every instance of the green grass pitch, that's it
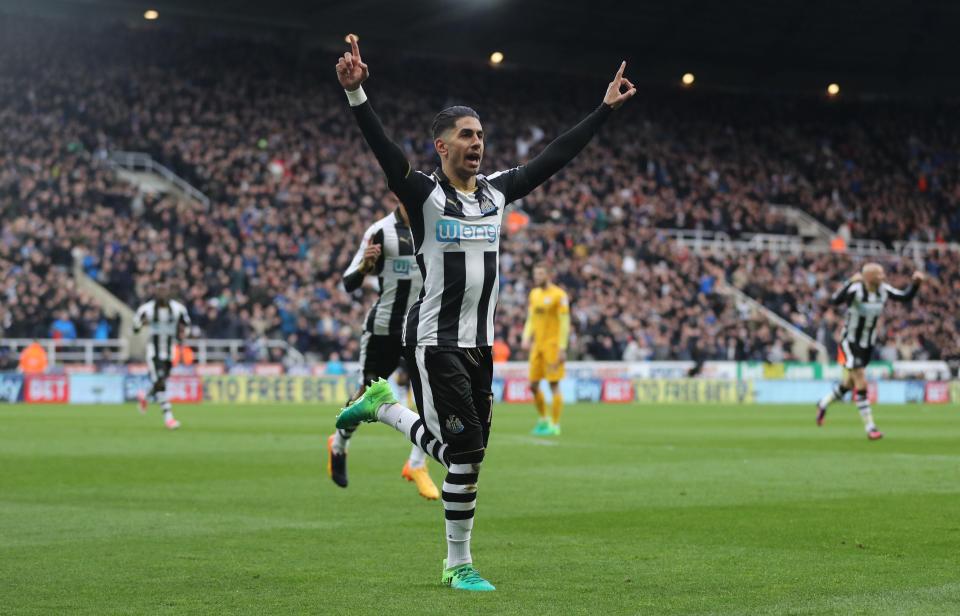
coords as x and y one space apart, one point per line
634 510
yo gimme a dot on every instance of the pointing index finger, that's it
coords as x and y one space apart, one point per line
623 65
355 48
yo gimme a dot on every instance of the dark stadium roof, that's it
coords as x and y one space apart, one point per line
882 46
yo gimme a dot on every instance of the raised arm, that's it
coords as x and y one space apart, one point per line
847 292
411 188
521 181
905 295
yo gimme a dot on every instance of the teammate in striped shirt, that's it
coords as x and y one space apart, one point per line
166 319
387 252
865 294
455 217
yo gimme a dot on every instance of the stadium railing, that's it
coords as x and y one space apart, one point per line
701 241
117 350
806 224
79 351
802 341
140 161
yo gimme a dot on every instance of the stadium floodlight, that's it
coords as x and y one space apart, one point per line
350 38
496 57
150 15
688 79
833 89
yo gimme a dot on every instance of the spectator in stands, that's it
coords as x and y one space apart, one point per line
33 359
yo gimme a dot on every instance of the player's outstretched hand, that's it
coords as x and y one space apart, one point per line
919 277
351 71
615 95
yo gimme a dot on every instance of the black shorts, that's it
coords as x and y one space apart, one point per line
159 370
380 355
454 393
852 356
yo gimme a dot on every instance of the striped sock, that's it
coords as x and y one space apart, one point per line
459 504
866 414
408 423
839 391
165 405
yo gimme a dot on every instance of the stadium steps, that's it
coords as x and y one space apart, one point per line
110 303
806 225
802 342
149 176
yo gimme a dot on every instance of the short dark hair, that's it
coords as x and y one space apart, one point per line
447 118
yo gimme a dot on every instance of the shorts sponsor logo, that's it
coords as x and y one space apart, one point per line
454 232
454 425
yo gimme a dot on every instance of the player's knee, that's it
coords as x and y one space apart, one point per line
534 387
861 394
467 461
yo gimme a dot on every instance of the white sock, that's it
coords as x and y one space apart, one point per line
458 542
417 458
409 424
167 415
398 417
455 492
340 444
835 394
866 414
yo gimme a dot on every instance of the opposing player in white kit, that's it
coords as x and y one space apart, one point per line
865 294
166 319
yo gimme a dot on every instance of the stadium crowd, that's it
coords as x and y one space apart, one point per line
267 136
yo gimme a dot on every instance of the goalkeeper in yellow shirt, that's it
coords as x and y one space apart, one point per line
545 335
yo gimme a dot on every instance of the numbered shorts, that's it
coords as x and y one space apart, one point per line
852 356
454 394
540 363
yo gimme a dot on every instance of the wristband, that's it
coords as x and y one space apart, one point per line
356 97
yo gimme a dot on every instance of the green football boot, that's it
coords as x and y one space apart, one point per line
364 409
464 577
542 428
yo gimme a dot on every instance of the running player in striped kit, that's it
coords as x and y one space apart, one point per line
455 217
165 317
386 251
865 294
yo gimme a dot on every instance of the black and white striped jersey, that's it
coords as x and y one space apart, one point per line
458 244
457 234
864 309
164 322
396 270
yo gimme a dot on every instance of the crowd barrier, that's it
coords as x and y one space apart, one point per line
581 386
